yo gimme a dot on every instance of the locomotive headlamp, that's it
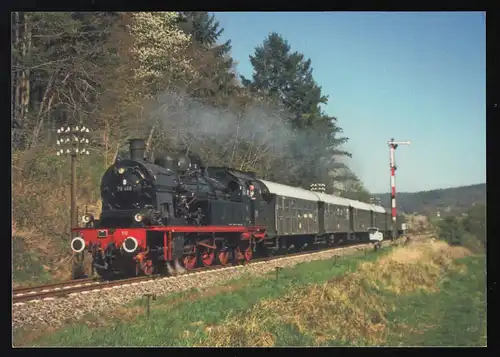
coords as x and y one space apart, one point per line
121 170
130 245
87 218
77 245
138 217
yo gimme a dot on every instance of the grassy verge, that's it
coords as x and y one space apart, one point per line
456 316
405 298
180 319
40 213
421 295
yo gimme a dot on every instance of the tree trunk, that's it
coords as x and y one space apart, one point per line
105 139
18 62
47 96
13 68
24 76
27 94
116 152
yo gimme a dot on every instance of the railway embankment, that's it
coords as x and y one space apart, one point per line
391 298
425 295
102 304
55 312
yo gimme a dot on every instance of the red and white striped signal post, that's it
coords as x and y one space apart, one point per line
392 148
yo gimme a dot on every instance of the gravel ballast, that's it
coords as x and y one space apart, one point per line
54 312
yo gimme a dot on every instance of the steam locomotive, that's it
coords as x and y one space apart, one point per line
175 213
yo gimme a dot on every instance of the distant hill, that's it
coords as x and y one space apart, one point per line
448 201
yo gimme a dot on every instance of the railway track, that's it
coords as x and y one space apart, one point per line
66 288
52 291
55 286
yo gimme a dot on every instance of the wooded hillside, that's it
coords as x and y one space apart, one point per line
446 201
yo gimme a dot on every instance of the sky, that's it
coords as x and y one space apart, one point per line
408 76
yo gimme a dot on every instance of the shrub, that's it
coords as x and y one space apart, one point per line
41 209
468 231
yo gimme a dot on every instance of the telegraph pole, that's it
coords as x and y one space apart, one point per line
73 141
392 148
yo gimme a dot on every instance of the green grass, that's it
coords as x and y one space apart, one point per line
455 316
40 211
27 265
168 324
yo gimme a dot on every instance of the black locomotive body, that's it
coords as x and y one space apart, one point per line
137 193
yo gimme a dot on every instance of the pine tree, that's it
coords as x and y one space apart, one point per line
216 82
204 29
286 78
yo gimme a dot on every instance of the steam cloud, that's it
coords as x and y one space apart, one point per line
196 127
189 123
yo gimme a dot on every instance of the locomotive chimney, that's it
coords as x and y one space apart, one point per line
137 149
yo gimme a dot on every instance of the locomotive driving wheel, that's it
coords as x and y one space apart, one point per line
189 261
248 253
147 267
244 251
208 257
223 256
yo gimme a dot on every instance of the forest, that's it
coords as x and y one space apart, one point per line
445 202
166 77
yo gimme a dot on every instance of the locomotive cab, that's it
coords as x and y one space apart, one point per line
243 187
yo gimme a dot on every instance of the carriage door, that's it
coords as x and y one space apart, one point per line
352 218
280 213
